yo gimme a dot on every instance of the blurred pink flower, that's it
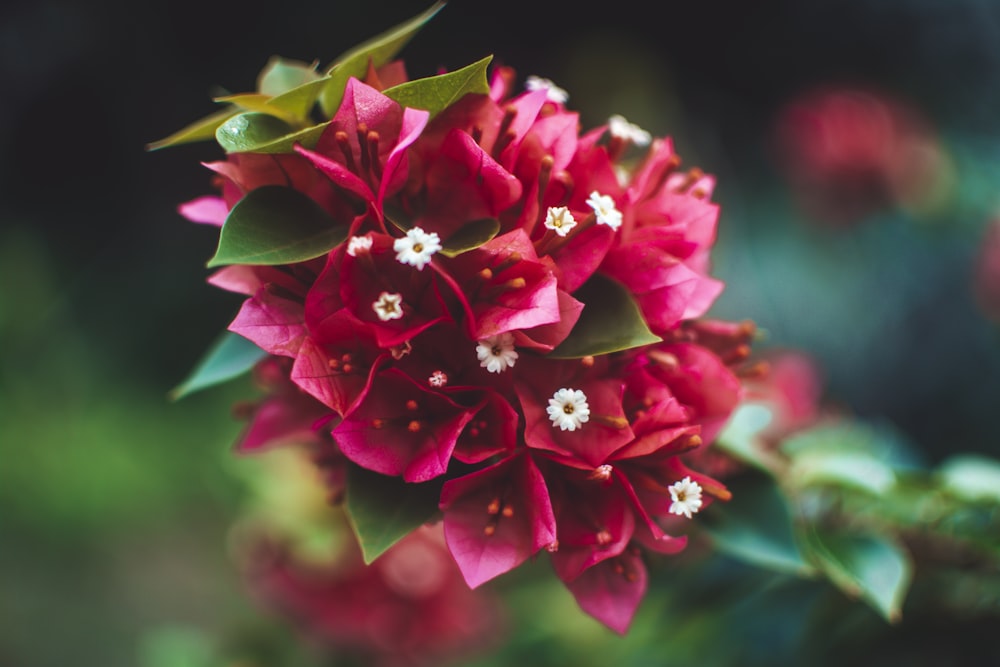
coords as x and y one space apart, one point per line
849 153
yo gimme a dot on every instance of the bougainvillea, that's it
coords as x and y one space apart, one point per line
475 313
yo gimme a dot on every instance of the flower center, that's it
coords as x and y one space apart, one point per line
388 306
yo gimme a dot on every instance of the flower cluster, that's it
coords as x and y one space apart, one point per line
505 308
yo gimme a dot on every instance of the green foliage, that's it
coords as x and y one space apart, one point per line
277 115
247 131
276 225
375 52
971 477
229 357
382 509
200 130
281 75
757 527
865 565
436 93
610 322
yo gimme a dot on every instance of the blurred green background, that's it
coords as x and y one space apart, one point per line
115 503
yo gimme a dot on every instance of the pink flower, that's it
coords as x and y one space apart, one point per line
849 153
496 518
503 287
402 428
606 428
363 151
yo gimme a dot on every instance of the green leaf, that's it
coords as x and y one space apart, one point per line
276 225
871 567
382 509
437 93
281 75
858 470
247 131
971 477
610 322
200 130
876 439
229 356
283 144
299 101
473 234
261 104
379 50
741 437
756 527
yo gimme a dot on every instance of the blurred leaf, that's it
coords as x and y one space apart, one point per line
610 322
200 130
971 477
247 131
176 646
473 234
858 470
756 526
878 440
276 225
871 567
379 50
382 509
230 356
740 437
280 75
436 93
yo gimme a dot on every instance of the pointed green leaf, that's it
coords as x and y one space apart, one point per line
281 75
200 130
246 131
872 567
382 509
379 50
230 356
610 322
276 225
756 527
437 93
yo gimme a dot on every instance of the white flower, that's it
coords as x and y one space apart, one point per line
605 210
497 353
359 244
553 92
416 247
568 409
622 129
686 496
438 379
388 306
559 220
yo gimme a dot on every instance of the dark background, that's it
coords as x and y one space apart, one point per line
105 486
